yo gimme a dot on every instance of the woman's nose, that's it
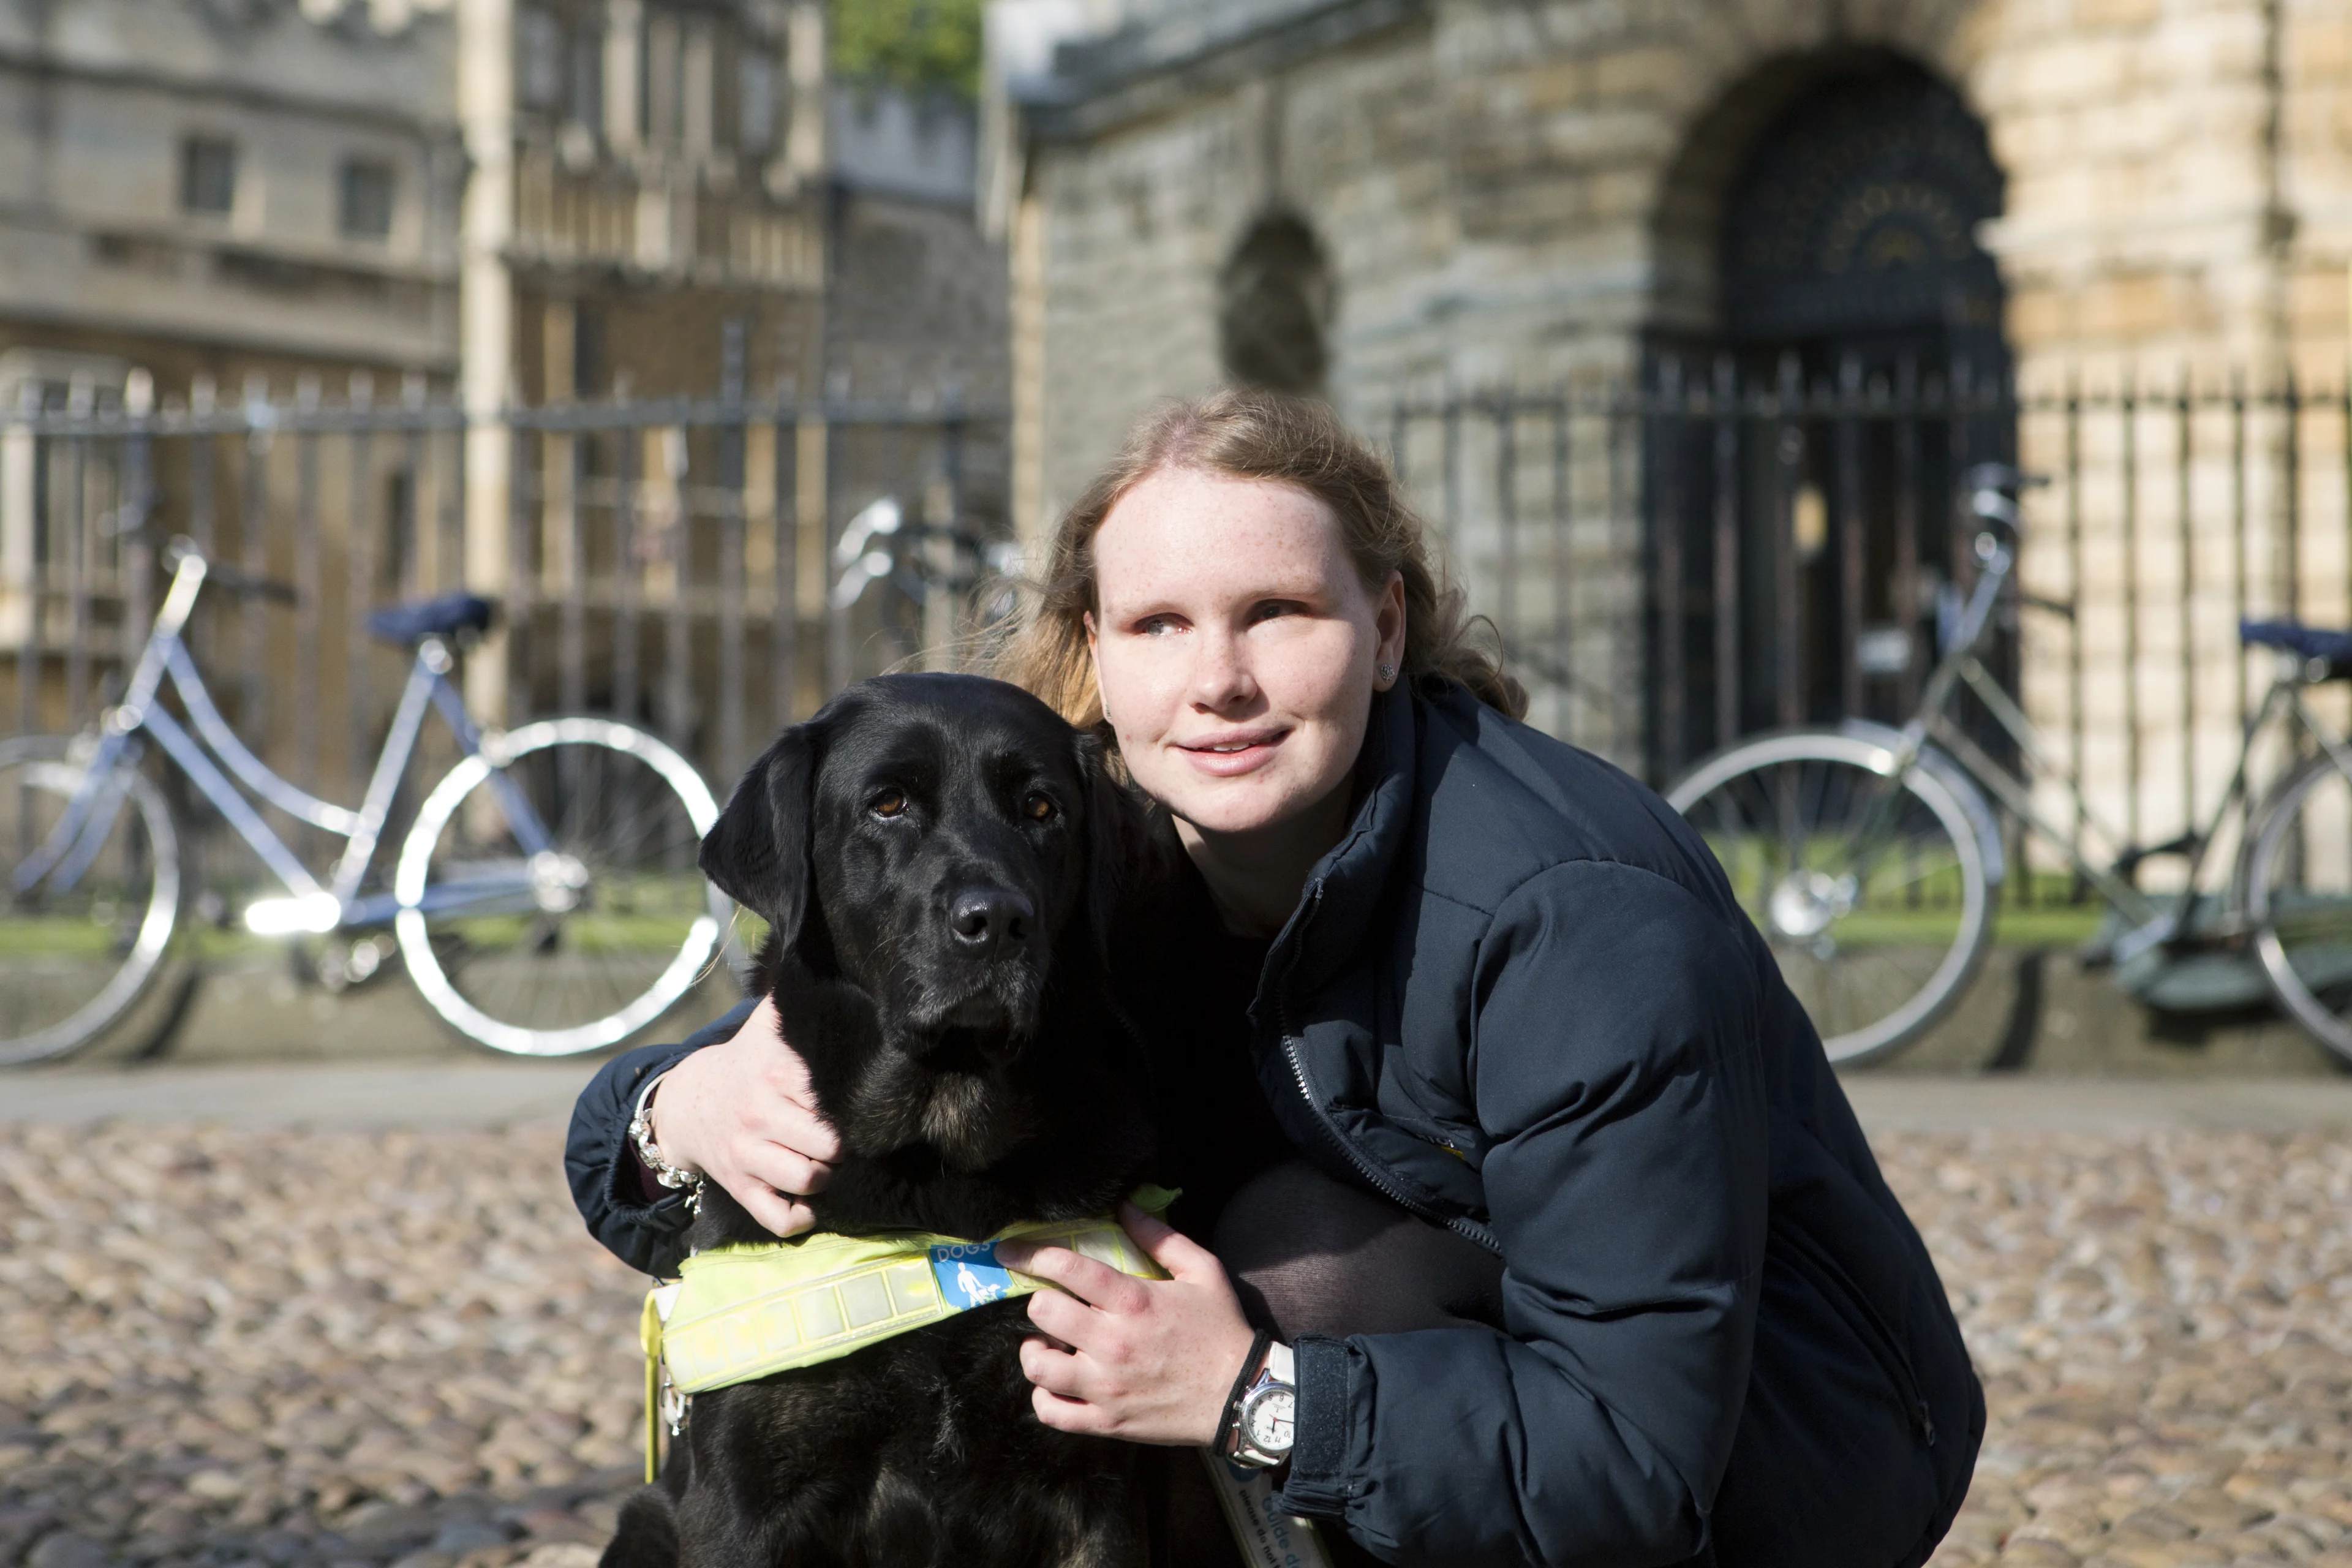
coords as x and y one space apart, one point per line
1221 677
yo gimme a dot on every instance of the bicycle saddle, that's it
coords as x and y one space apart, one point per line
436 617
2294 637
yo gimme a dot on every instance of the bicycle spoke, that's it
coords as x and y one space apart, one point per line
1791 819
1917 872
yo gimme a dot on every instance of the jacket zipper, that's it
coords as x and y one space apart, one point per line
1363 1164
1892 1357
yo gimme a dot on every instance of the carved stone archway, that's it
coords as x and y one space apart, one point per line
1832 284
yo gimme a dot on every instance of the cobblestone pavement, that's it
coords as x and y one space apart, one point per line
223 1348
2163 1323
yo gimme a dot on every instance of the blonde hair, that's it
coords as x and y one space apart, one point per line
1250 434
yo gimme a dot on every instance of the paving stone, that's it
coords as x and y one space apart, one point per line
271 1349
67 1550
458 1536
2157 1322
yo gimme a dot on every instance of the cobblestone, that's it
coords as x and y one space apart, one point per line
398 1350
2163 1323
272 1349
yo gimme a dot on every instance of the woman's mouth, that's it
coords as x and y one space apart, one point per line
1239 752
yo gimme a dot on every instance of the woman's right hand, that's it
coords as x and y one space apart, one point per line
743 1113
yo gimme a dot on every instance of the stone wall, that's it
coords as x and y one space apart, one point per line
1516 193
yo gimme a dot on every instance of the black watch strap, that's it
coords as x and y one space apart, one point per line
1222 1443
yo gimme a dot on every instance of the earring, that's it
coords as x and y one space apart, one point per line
1387 673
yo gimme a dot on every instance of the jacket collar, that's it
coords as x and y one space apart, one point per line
1343 891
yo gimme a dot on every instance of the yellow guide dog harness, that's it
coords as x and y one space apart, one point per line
736 1313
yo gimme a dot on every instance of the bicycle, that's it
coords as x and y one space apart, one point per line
545 900
1871 858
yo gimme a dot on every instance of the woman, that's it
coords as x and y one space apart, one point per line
1494 1104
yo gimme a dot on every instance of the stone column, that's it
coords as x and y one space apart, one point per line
624 37
19 609
485 329
1031 524
804 151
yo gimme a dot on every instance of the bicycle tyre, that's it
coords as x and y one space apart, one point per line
1873 972
613 942
2298 879
53 1001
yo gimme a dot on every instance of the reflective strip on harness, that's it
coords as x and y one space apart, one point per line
737 1313
745 1312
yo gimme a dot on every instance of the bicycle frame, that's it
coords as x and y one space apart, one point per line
2150 921
309 905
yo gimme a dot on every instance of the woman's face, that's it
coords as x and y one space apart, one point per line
1236 647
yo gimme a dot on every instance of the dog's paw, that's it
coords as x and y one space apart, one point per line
647 1537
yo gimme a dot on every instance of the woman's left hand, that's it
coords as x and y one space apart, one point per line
1150 1361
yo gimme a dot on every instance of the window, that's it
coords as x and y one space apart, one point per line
587 94
538 58
755 104
207 175
664 80
364 204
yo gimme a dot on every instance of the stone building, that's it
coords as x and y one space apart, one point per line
547 205
215 203
209 188
1387 200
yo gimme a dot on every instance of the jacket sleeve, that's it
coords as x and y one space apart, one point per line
649 1238
1617 1085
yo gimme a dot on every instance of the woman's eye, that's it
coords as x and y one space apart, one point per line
1040 808
889 802
1273 610
1158 625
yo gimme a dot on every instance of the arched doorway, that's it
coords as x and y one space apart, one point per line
1853 227
1805 449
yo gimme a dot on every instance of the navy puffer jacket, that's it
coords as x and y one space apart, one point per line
1518 998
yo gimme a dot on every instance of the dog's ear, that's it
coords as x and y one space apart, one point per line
1115 839
757 853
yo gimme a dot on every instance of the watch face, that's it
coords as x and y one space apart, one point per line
1266 1418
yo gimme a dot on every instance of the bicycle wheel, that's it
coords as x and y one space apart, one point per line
2299 901
1874 893
80 942
551 903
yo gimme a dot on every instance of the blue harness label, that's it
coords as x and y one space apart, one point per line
969 1274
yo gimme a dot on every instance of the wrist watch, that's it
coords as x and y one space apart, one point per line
1267 1425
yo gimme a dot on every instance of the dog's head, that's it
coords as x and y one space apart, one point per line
944 844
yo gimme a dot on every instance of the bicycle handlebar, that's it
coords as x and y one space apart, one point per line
183 549
1989 486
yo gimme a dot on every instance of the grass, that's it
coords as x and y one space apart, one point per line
1902 909
84 938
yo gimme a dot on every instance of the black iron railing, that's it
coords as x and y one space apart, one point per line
1723 549
1668 566
678 562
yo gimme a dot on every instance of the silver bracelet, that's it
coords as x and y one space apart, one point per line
641 1133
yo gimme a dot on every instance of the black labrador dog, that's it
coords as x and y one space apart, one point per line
938 857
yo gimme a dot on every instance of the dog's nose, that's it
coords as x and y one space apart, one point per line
985 922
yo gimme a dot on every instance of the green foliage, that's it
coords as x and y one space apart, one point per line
911 44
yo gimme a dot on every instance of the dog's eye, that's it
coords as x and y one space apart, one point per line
889 802
1041 808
